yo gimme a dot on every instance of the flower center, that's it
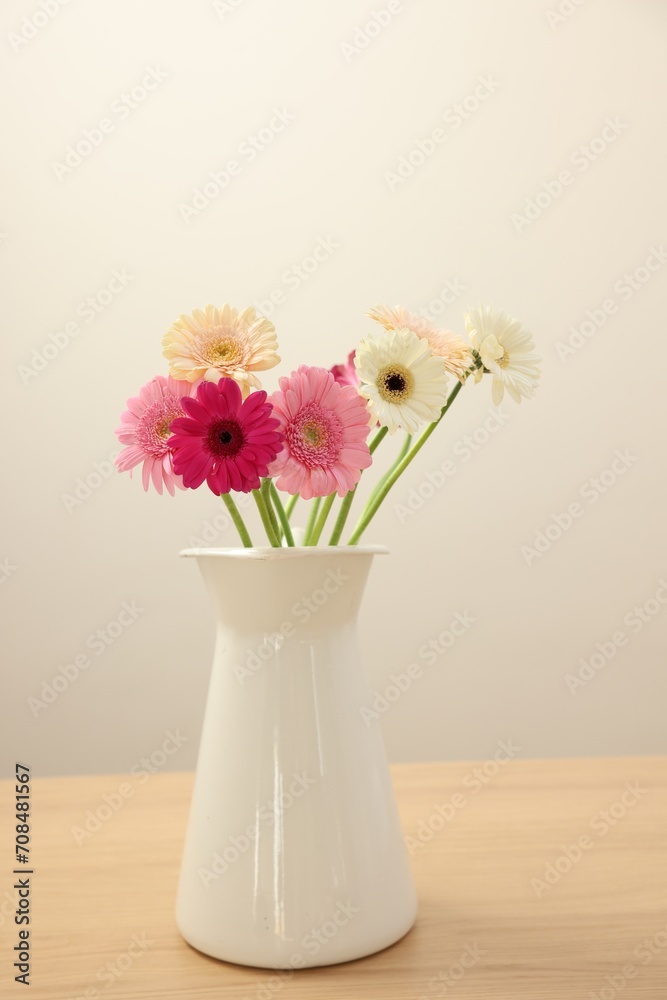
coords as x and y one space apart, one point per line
504 360
222 348
225 438
395 383
153 428
315 436
162 428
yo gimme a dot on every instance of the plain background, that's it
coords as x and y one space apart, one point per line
359 100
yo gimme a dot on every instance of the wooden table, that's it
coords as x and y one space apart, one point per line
536 879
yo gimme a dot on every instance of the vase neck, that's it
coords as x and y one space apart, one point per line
314 590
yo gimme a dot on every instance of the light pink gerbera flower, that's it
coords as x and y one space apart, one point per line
214 342
145 431
451 348
224 439
325 426
346 374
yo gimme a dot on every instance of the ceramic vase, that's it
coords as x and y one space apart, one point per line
294 854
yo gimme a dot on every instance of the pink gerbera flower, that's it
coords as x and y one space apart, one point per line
145 430
346 374
224 439
449 346
325 426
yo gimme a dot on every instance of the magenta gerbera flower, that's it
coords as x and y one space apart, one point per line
325 426
346 374
224 439
145 430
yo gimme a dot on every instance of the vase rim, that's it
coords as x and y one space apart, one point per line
269 553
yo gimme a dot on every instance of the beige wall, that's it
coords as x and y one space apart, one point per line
533 90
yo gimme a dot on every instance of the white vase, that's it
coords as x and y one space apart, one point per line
294 854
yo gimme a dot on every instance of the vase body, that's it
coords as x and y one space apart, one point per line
294 855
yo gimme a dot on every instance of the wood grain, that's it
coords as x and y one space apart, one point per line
475 868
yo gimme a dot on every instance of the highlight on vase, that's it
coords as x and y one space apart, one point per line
209 421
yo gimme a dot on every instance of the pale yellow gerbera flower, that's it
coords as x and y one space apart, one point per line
213 343
447 345
404 382
506 351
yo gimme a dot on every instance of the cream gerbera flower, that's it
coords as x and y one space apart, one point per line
506 350
447 345
213 343
404 382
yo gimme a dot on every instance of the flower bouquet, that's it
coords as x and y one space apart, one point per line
209 421
294 854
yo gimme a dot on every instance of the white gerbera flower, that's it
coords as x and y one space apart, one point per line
506 351
403 381
451 348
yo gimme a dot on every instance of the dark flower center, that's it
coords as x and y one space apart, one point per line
225 438
395 383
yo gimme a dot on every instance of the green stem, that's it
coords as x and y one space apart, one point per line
312 518
382 433
399 458
235 515
266 518
282 514
266 497
291 504
321 520
349 496
399 469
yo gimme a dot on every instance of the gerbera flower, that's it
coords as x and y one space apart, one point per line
404 382
346 374
506 351
145 430
447 345
325 426
221 342
224 439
